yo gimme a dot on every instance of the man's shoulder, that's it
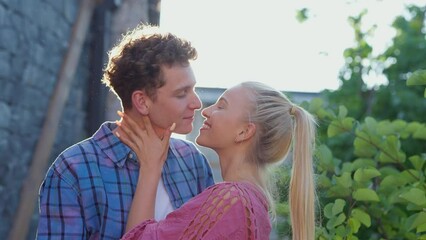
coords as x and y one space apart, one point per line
183 145
84 147
76 155
186 150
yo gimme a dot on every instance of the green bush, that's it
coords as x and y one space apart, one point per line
380 193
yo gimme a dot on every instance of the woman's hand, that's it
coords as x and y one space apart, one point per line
150 149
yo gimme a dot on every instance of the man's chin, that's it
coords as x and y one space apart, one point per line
183 131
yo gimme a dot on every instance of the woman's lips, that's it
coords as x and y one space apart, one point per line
205 126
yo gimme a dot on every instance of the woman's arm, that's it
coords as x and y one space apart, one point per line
143 203
152 153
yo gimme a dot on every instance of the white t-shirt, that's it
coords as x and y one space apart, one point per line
163 206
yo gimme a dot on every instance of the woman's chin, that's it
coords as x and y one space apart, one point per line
200 141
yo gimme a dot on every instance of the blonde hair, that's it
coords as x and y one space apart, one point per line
280 124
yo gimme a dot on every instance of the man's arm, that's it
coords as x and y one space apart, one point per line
61 214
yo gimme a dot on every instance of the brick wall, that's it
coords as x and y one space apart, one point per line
34 37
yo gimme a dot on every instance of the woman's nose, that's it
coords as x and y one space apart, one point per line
206 112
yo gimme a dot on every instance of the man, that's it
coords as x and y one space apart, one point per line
88 190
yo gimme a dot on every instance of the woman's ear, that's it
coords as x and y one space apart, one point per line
246 133
141 102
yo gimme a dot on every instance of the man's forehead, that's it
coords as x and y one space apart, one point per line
178 77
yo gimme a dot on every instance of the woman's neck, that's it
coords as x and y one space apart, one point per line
237 168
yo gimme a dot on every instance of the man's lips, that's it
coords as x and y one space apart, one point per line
189 118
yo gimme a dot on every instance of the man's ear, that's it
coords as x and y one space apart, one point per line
246 133
141 102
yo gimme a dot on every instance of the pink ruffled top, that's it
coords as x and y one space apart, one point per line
228 210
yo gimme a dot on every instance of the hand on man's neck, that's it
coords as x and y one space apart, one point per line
137 117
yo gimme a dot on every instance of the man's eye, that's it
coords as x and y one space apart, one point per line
182 94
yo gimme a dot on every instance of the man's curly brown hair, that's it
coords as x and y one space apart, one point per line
135 62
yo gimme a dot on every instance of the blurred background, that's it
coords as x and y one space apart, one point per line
52 53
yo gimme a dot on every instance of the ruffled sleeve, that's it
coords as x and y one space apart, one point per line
138 231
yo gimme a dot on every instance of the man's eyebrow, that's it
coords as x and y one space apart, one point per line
182 89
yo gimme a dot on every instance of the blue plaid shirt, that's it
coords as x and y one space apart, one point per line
88 190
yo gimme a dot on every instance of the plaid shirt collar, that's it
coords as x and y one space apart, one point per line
116 150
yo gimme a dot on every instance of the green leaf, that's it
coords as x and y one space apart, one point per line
420 220
344 180
416 196
391 151
420 133
343 111
389 170
392 182
338 191
399 125
315 105
361 216
371 124
410 176
282 209
354 224
364 148
417 78
366 195
385 158
323 181
385 128
325 158
413 126
363 162
348 123
341 231
347 167
338 206
328 211
339 220
323 113
421 228
302 15
335 128
417 162
352 237
364 175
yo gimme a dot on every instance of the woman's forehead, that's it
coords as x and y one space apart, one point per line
236 95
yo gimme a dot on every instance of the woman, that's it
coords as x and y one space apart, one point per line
250 127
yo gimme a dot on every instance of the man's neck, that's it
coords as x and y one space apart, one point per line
137 117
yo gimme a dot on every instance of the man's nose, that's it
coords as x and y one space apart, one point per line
195 102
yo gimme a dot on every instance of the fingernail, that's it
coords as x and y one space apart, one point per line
172 128
117 134
120 113
118 123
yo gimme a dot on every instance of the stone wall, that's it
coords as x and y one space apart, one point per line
34 36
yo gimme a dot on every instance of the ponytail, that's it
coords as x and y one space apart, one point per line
302 188
281 124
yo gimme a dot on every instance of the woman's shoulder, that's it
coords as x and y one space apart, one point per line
239 190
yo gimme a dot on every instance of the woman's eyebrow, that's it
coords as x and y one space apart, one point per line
223 100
